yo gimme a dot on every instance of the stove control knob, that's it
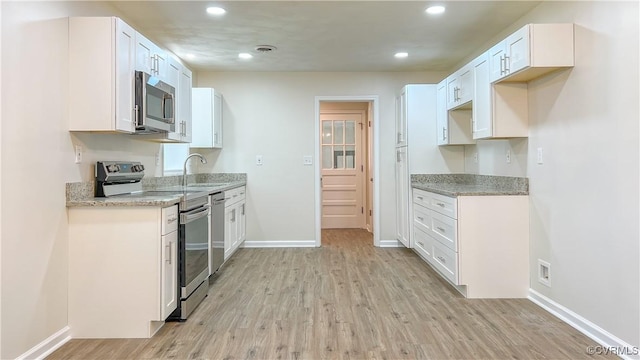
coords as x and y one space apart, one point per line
134 168
141 167
117 168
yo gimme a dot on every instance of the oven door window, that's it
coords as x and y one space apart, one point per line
196 238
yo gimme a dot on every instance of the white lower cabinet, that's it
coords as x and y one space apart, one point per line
480 244
234 220
122 270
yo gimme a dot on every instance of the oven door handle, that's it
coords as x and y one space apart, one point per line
194 214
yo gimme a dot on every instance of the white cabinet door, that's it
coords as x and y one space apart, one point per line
230 230
517 48
242 223
402 196
144 54
206 118
184 104
169 269
452 90
482 113
401 118
217 120
442 123
124 79
151 59
465 84
496 61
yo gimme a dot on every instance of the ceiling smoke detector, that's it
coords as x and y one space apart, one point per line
263 49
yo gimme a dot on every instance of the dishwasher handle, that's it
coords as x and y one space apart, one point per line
194 215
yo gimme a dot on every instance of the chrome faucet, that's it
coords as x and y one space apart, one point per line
184 169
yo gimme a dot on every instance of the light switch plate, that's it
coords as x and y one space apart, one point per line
307 160
78 149
508 156
259 160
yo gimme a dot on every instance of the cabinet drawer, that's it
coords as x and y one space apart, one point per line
422 218
169 219
446 260
421 197
234 195
423 244
443 204
445 230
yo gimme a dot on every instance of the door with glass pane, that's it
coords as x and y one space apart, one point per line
342 164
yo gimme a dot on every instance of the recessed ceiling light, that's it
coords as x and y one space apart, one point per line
401 55
245 56
434 10
214 10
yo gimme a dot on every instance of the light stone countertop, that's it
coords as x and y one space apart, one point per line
454 185
82 194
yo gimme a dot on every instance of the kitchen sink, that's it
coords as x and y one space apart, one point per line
209 184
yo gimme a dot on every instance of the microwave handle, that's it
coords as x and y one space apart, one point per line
169 97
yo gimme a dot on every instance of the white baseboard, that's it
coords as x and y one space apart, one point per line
593 331
48 345
279 243
390 243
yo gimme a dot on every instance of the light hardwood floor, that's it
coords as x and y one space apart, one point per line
347 300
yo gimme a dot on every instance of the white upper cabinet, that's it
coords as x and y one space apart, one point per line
532 51
180 77
152 59
207 118
442 123
460 87
101 81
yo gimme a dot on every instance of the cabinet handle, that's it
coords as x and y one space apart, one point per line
399 137
420 197
242 213
440 204
506 64
442 260
398 156
501 65
233 215
420 243
441 229
215 138
420 218
444 133
168 247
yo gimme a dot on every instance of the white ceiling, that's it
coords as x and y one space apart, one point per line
323 35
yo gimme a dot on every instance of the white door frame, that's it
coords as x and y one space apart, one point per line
376 161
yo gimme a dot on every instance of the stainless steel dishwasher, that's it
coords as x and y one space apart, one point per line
217 231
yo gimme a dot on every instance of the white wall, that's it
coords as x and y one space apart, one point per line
272 114
584 198
37 161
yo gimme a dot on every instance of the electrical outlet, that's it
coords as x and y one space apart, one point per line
78 149
539 159
158 158
307 160
259 160
544 273
475 157
508 156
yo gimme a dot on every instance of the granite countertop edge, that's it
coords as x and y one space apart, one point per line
455 190
151 201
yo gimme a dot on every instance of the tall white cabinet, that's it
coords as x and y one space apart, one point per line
417 149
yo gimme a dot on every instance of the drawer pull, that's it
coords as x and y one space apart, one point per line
440 204
442 260
420 197
171 220
421 244
420 218
441 229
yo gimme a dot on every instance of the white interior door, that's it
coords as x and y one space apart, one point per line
342 171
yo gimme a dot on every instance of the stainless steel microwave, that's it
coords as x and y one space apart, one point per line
155 104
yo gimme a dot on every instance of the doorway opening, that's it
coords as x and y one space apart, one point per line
346 170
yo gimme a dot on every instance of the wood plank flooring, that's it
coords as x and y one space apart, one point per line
345 300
